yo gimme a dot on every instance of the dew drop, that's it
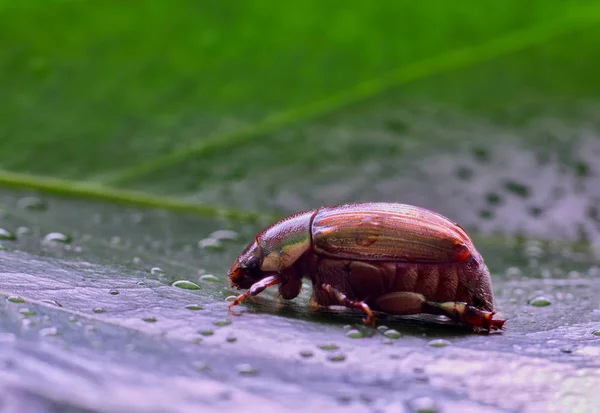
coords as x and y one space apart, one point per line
354 334
99 310
387 341
209 277
50 331
382 328
423 405
57 238
114 292
201 366
186 285
336 357
224 234
394 334
246 369
157 271
6 235
210 244
440 342
26 312
194 307
222 323
306 353
141 283
23 230
596 333
329 346
230 298
231 339
539 302
136 260
149 319
206 333
15 299
32 202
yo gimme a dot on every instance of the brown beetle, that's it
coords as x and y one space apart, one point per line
393 258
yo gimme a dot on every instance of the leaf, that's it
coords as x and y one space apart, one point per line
223 116
76 343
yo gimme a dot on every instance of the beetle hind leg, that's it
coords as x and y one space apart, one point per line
407 303
466 314
346 302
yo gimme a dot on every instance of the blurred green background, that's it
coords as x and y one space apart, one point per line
268 106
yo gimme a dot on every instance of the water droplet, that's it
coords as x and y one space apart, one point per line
440 342
382 328
423 405
306 353
186 285
517 188
222 323
141 283
157 271
231 339
73 319
51 302
149 319
596 333
114 292
206 333
224 234
15 299
336 357
194 307
6 235
201 366
209 277
210 244
392 334
99 310
23 230
26 312
57 237
246 369
136 260
230 298
329 346
32 202
50 331
354 334
539 302
387 341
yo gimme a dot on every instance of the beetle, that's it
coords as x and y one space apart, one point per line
392 258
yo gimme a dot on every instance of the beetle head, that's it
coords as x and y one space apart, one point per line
245 270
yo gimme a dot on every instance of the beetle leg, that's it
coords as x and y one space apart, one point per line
346 302
467 314
407 303
257 288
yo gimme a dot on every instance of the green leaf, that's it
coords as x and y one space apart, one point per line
144 145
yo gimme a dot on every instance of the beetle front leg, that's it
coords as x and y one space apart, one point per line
257 288
346 302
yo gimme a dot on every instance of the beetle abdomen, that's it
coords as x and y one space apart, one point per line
388 232
466 281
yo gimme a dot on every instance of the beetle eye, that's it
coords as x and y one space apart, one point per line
251 264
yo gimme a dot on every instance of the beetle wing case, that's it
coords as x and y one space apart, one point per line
388 232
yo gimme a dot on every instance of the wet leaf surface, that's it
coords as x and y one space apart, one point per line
488 115
61 353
